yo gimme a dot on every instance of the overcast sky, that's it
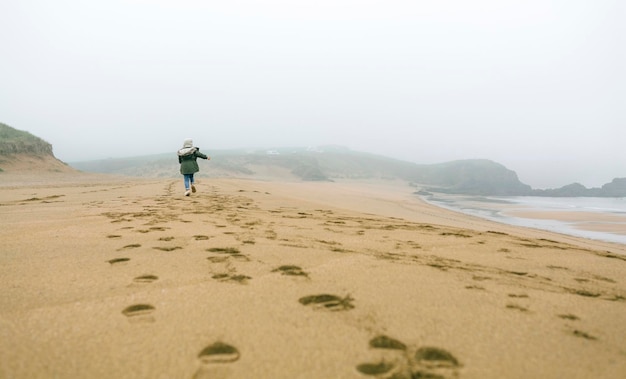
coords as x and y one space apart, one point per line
537 85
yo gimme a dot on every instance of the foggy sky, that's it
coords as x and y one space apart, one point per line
537 85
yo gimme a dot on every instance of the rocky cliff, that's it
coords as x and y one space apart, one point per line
21 151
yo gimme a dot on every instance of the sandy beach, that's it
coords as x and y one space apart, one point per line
108 277
583 220
602 219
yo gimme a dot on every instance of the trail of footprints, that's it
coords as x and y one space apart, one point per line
396 360
215 359
393 359
390 358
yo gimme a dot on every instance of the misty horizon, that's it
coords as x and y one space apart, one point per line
537 86
286 150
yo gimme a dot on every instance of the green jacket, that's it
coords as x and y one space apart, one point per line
188 164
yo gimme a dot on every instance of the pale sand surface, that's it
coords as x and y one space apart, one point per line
570 216
120 278
616 228
597 222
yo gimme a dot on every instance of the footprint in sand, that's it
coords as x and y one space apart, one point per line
392 362
167 248
230 252
131 246
217 259
328 302
581 334
240 257
224 250
384 342
139 313
118 261
291 271
517 307
434 362
216 361
145 279
224 277
383 370
569 316
398 361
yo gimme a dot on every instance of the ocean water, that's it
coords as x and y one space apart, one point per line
495 208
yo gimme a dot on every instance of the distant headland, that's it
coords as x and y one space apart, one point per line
22 152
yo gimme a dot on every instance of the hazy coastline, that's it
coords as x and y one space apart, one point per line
302 247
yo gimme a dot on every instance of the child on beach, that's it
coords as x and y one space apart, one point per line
187 157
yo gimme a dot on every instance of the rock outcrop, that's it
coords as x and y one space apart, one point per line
21 151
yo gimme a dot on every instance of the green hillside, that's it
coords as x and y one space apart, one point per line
13 141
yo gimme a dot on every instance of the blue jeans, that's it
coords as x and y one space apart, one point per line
188 178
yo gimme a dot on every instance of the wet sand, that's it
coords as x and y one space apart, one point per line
597 222
118 278
603 225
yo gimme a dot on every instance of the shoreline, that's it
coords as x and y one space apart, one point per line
606 226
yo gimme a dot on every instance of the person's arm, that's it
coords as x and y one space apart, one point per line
200 155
